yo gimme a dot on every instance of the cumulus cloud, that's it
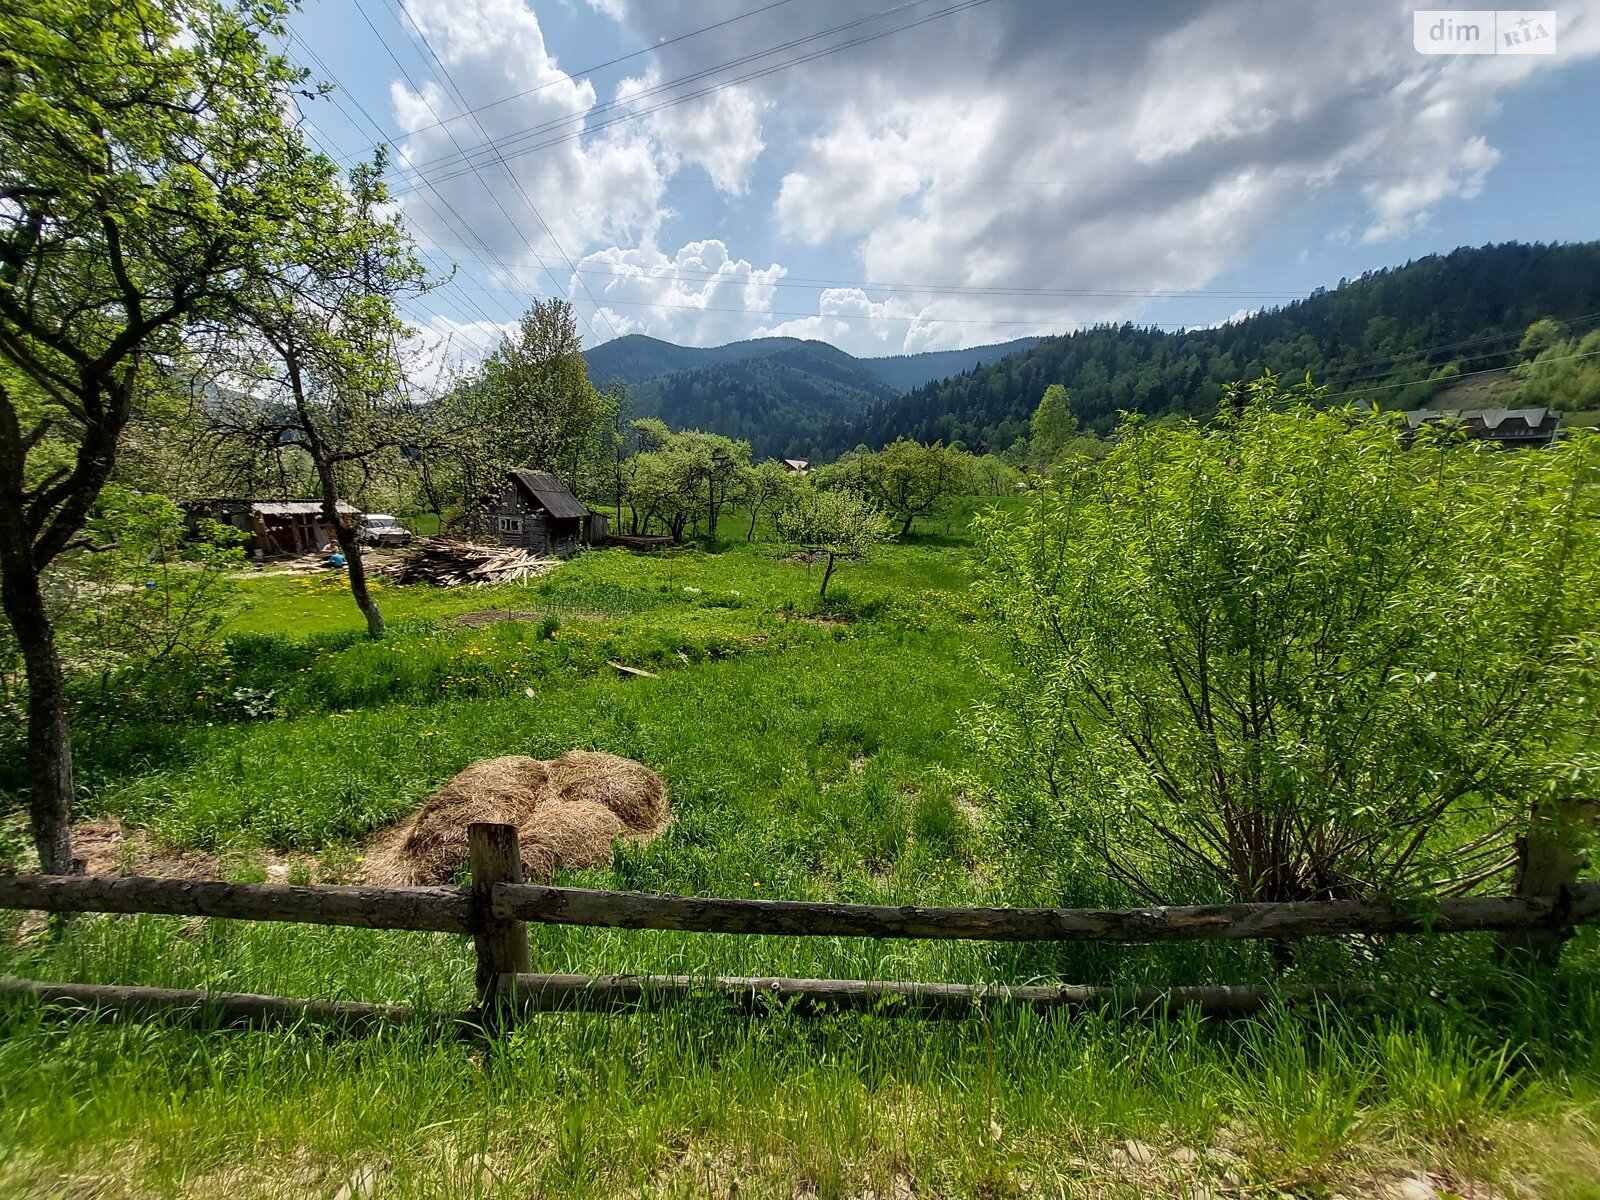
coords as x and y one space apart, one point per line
1016 167
1103 148
720 132
699 296
470 181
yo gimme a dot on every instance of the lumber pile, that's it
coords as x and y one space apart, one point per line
443 562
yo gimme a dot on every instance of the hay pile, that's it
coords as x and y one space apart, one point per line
568 811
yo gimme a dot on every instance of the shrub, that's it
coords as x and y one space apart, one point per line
1293 656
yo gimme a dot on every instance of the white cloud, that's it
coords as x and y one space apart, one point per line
1102 147
1016 168
557 201
721 132
699 296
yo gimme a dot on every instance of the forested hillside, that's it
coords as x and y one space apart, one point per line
784 394
636 358
1396 336
786 404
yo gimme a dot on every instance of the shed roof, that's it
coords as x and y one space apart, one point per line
551 493
295 508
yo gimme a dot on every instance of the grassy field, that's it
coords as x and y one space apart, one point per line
811 752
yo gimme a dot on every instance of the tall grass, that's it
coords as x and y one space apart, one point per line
811 753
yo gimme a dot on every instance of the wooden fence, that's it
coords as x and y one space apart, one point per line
496 908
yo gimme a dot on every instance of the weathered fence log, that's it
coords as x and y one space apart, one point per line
438 910
495 856
211 1010
449 910
1579 905
755 996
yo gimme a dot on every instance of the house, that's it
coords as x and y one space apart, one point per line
1510 427
275 526
798 465
536 511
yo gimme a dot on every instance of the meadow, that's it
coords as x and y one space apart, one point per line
812 751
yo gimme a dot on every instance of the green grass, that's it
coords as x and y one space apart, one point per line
811 753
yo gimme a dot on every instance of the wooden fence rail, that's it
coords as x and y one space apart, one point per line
496 908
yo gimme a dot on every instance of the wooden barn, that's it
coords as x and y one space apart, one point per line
535 511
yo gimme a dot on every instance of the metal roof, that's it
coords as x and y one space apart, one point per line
551 493
295 508
1490 418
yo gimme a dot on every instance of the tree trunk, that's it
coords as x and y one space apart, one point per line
755 512
827 575
350 547
1549 858
50 793
905 530
349 543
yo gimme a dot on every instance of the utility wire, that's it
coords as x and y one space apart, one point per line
586 71
521 191
1383 387
442 216
618 104
674 102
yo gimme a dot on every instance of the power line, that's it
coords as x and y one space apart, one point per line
810 283
1383 387
590 70
360 8
515 182
443 218
645 112
619 104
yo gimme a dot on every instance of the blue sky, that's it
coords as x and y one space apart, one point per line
968 172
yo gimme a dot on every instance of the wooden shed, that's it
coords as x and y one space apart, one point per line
275 526
535 511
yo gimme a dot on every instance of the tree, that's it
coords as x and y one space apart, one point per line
148 174
536 403
1565 375
839 523
1053 424
1288 657
765 484
330 333
910 480
1539 337
148 597
679 476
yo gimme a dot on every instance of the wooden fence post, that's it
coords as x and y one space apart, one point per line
502 946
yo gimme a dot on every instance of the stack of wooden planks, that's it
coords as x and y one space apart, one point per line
443 562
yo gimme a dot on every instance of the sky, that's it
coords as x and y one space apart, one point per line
894 176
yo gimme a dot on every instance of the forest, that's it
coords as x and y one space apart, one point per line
1395 337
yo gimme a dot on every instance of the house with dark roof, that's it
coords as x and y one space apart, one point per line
535 511
1509 427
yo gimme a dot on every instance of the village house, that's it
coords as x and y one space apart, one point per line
535 511
1511 428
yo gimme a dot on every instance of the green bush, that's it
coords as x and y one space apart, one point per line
1292 655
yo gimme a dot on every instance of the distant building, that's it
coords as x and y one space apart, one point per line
535 511
1511 428
798 465
275 526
